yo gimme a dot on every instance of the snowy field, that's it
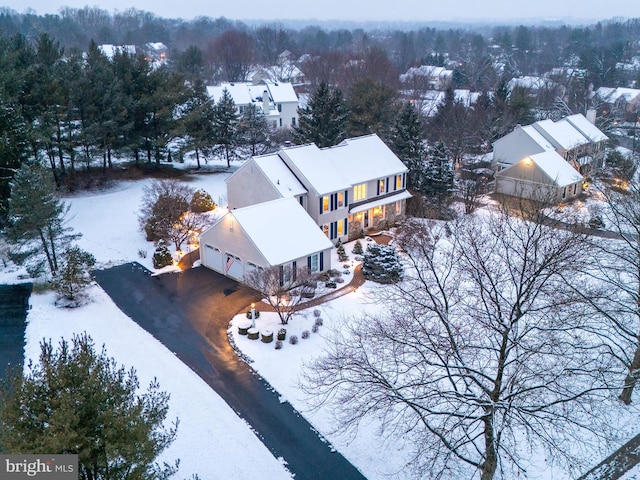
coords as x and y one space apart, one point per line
212 441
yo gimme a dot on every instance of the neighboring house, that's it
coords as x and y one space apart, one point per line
356 186
278 102
576 139
268 234
110 51
286 72
429 101
544 177
531 83
622 103
156 53
428 76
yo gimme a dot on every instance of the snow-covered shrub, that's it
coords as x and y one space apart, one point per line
305 334
293 339
316 313
315 328
342 255
256 314
282 334
357 248
381 264
340 279
319 322
162 256
201 202
278 344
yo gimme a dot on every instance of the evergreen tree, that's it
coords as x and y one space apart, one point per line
73 274
407 142
437 184
14 150
196 123
324 120
372 109
449 125
225 125
382 264
78 401
36 214
253 130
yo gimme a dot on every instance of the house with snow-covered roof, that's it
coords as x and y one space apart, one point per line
353 187
622 103
574 138
277 101
268 234
428 77
544 177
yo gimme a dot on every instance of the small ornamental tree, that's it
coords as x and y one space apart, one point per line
381 264
77 400
342 255
73 273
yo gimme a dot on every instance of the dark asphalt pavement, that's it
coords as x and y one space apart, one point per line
189 313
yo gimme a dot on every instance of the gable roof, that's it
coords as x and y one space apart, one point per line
585 127
537 137
281 230
552 165
282 92
279 175
354 161
238 91
245 93
561 134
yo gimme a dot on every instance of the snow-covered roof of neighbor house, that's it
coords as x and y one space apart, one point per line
155 46
110 51
561 134
585 127
279 175
238 91
553 165
537 137
431 71
281 230
433 98
530 82
282 92
611 95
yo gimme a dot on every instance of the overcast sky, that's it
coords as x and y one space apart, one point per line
356 10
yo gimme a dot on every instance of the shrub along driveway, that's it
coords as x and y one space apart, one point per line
189 313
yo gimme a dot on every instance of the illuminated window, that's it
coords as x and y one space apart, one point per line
325 229
398 182
399 207
359 192
325 204
381 186
340 228
340 199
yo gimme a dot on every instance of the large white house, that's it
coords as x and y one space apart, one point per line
277 101
292 206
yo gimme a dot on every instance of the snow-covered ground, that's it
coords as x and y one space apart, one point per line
211 440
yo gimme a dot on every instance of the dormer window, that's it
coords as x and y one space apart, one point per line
398 182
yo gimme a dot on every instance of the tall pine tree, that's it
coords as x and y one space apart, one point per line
324 120
407 142
437 183
225 126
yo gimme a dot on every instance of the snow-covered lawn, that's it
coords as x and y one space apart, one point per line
212 441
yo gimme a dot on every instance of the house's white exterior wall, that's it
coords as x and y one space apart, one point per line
514 146
531 183
249 186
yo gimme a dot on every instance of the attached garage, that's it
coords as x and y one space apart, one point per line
212 258
233 266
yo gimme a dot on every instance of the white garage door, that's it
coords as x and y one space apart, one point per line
233 266
213 258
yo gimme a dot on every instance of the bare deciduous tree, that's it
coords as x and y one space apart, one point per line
476 354
282 287
615 294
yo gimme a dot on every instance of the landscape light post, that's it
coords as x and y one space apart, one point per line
253 315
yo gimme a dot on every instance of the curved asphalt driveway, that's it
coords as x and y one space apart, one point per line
189 313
